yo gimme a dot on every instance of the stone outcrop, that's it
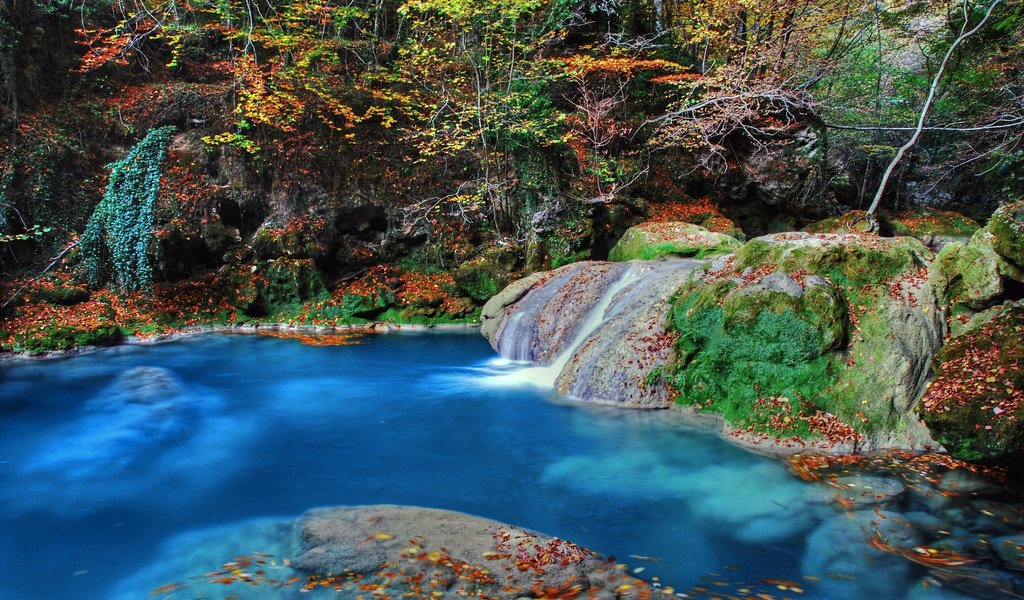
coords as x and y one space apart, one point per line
601 327
807 335
794 336
652 240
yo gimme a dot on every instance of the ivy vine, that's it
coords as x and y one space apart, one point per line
116 243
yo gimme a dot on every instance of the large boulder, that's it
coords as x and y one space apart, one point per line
974 275
598 327
811 336
621 361
975 405
652 240
385 545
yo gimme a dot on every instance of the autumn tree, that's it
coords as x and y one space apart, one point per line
474 87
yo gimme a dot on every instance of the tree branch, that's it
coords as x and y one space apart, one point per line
964 34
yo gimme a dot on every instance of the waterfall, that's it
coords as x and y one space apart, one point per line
545 376
592 331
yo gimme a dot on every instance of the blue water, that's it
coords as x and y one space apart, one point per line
93 480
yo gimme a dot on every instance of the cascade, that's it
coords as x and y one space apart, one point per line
589 329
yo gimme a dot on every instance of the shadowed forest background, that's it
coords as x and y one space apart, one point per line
435 149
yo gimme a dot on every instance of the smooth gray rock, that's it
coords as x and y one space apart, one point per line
412 541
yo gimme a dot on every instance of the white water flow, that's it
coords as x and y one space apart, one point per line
503 372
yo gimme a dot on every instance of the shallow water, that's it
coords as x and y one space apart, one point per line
97 470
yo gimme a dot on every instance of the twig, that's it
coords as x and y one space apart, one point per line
40 276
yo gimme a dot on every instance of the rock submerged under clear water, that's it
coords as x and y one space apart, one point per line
388 549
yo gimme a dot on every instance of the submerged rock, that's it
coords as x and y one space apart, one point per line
466 553
384 549
181 561
849 569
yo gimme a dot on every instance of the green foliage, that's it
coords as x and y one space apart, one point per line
59 338
730 368
116 241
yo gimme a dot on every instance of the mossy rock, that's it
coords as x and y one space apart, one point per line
854 221
649 241
1007 228
931 226
63 295
570 242
271 286
971 277
721 224
301 238
975 405
289 283
812 336
979 267
240 284
486 275
845 258
368 306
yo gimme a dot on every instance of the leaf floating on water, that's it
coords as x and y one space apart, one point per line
170 587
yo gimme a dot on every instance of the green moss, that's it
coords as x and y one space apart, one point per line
650 241
55 338
63 295
560 260
731 368
1007 227
486 275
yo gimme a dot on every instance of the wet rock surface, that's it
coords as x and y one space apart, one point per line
602 325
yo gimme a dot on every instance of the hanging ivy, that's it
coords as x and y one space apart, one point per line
116 242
